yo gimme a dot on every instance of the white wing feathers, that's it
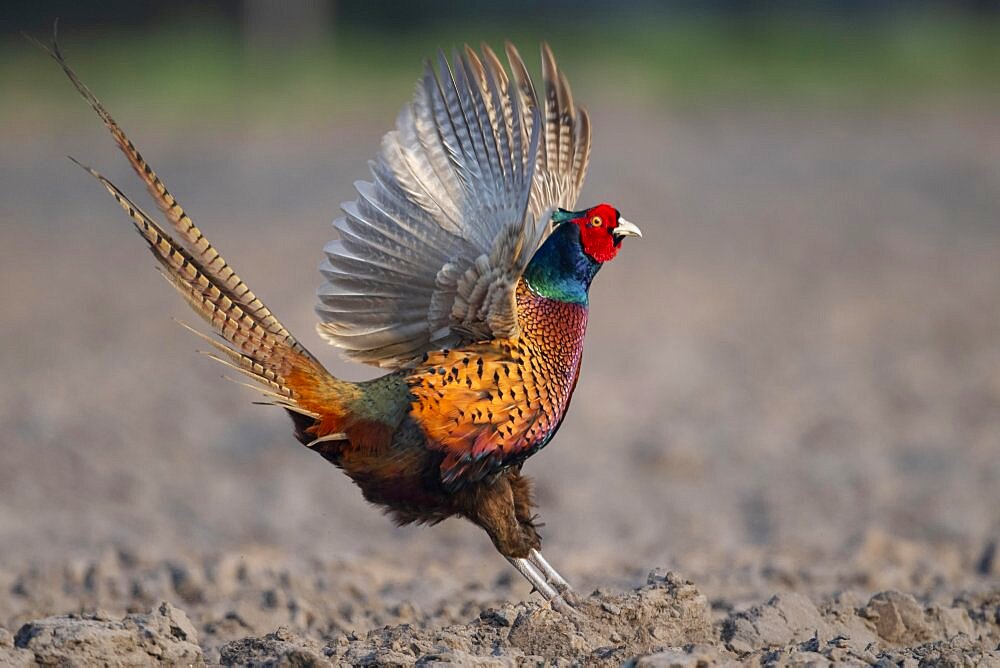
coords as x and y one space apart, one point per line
430 252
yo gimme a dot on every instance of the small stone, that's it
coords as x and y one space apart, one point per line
498 617
610 608
897 617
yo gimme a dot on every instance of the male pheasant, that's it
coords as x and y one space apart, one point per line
462 267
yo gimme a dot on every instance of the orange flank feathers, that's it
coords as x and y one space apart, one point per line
488 405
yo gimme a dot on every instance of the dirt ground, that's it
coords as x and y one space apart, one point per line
784 447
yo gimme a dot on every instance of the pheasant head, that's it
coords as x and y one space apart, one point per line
582 241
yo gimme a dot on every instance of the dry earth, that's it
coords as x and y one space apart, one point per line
791 399
265 609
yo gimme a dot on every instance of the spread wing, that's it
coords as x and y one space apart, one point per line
431 251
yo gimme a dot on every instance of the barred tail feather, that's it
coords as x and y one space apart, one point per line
212 264
259 346
256 350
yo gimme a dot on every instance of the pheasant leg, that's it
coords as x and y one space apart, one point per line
541 585
557 581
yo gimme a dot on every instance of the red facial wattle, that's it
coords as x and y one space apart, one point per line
597 232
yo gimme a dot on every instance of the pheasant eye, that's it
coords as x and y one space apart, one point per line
596 221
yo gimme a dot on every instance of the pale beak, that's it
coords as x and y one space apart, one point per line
626 229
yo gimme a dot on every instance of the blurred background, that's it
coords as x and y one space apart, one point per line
796 370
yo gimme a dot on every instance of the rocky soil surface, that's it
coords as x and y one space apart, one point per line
266 608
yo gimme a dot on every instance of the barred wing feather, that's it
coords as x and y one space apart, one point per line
431 251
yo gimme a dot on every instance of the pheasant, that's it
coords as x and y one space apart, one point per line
462 268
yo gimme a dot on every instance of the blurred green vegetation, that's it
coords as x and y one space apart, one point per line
205 71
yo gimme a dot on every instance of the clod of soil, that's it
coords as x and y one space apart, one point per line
165 635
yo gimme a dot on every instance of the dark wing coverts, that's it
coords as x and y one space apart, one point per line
431 251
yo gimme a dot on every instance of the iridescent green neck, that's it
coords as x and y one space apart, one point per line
560 269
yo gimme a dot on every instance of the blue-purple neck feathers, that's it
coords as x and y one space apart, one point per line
560 269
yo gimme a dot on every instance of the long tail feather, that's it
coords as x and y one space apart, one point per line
257 344
258 352
212 264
